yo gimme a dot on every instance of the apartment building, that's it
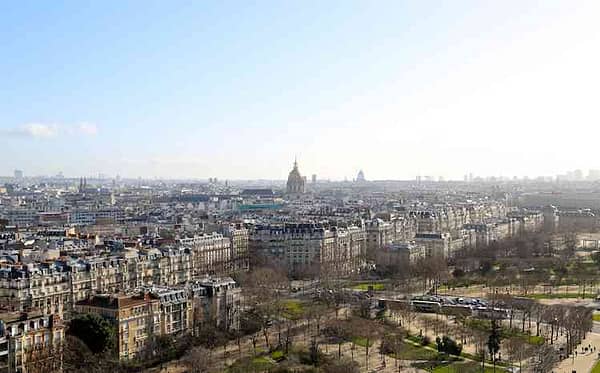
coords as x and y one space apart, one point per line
175 309
136 318
160 310
30 342
435 244
211 253
215 300
378 234
303 246
238 236
43 286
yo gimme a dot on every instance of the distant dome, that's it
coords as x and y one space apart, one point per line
295 182
360 177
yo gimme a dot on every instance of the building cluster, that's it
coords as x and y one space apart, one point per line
161 310
311 247
31 342
340 231
156 257
153 264
189 278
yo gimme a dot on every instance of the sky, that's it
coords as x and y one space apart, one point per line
237 89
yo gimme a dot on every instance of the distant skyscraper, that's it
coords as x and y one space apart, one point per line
295 182
314 178
360 178
18 174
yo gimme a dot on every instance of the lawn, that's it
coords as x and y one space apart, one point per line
411 352
292 309
261 360
469 367
485 325
535 340
277 355
365 286
417 340
596 368
596 317
257 364
362 342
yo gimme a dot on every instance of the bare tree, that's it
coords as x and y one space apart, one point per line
545 359
393 343
516 350
196 360
369 331
337 332
341 366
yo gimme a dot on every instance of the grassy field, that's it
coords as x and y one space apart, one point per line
292 309
596 368
469 367
257 364
362 342
534 340
485 325
410 352
277 355
596 317
365 286
417 340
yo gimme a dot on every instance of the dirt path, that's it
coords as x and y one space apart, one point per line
583 362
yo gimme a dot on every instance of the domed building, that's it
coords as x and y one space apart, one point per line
295 182
360 178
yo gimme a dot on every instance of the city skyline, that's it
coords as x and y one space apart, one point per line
398 89
567 175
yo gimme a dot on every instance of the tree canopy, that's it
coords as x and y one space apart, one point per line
97 333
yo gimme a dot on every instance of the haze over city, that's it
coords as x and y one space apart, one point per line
235 90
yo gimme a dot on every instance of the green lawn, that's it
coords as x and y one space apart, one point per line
410 352
534 340
365 286
261 360
292 309
417 340
485 325
257 364
276 355
596 317
468 367
596 368
360 341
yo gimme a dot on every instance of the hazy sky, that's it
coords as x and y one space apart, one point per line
235 89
